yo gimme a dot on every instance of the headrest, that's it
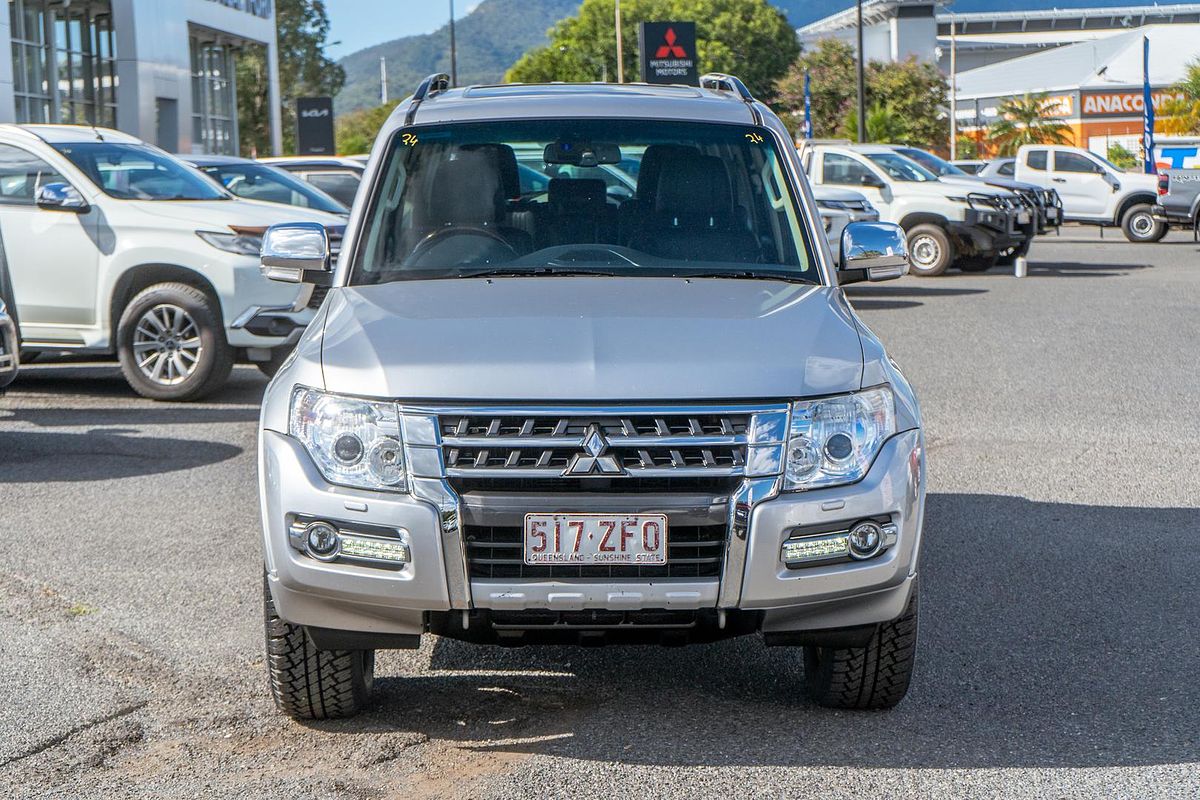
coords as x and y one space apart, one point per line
466 191
505 162
697 186
577 195
651 166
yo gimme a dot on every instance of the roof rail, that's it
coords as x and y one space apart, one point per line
720 82
437 82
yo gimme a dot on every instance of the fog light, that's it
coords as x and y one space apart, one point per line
375 548
321 541
815 548
865 539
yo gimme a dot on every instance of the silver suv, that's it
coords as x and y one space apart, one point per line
574 415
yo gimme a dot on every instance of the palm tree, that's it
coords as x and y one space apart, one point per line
1026 120
1181 115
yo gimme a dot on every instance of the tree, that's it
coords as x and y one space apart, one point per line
1180 116
828 64
906 98
302 28
1120 156
1026 120
355 132
749 38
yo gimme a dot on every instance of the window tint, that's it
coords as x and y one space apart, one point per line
342 186
548 195
901 168
837 168
258 182
1036 159
1008 169
22 174
1073 162
138 172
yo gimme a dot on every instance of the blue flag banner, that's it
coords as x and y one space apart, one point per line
808 130
1147 109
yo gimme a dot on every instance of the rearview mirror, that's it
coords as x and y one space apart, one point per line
61 197
581 154
297 252
873 251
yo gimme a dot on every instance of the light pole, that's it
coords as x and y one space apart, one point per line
620 54
953 92
453 52
862 114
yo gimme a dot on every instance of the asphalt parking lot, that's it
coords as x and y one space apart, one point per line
1059 642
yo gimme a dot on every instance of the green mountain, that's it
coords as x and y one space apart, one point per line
488 41
497 32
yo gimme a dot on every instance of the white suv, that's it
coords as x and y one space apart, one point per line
114 246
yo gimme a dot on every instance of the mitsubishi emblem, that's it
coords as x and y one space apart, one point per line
595 459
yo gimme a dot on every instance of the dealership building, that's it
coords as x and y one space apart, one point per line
1088 60
162 70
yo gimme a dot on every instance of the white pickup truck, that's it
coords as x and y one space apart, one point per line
945 224
1093 191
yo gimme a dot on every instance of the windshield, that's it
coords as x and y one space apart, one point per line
270 185
572 196
900 168
938 166
139 172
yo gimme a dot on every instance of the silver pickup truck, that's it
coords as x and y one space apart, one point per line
559 415
1179 199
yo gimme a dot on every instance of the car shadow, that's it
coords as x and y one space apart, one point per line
1052 635
893 297
1066 269
92 384
37 457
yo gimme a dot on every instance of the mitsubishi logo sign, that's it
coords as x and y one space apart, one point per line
594 460
668 52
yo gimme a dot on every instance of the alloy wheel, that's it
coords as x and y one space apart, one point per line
925 251
166 344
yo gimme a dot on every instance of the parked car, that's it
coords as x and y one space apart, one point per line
115 247
946 223
1093 190
999 168
337 176
517 438
971 166
1043 206
252 180
1178 201
838 208
10 359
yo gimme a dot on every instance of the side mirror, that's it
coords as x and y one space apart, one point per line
297 252
872 251
61 197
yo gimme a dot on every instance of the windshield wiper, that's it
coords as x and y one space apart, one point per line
747 274
511 272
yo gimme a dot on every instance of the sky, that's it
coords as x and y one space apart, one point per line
361 23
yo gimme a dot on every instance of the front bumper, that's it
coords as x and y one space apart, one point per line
353 597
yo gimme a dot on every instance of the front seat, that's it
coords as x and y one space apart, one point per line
694 217
471 190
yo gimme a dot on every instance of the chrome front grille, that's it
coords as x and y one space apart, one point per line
609 445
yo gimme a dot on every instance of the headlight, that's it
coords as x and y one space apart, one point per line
834 440
243 244
353 442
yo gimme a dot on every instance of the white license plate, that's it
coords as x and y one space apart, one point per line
599 539
1023 218
1051 213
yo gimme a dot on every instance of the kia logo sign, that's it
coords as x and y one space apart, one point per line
314 126
668 52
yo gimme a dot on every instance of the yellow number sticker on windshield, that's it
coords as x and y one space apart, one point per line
408 139
755 138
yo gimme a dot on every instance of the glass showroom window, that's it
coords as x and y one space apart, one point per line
64 61
214 97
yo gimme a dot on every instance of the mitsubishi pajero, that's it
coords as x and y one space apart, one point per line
575 415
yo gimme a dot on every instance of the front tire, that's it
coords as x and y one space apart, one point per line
1140 226
872 677
930 251
308 683
172 345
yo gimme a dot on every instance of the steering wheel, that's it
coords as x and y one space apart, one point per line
437 237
